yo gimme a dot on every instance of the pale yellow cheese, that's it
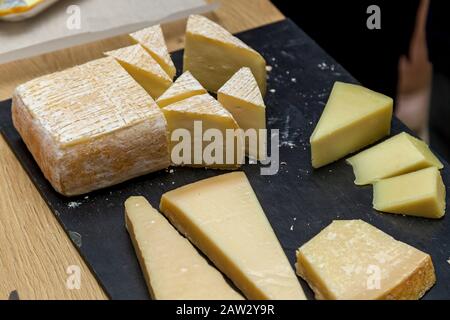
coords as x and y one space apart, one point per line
223 218
213 55
353 118
352 260
184 87
398 155
152 39
172 267
90 127
420 193
143 68
241 96
209 114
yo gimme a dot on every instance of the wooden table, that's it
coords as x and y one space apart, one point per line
35 252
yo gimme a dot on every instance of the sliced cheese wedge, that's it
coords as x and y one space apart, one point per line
398 155
241 96
172 267
352 260
184 87
353 118
213 55
420 193
223 218
152 39
199 115
143 68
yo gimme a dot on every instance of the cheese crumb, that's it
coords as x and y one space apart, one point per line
73 204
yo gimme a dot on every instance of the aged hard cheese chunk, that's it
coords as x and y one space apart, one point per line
152 39
353 118
207 113
213 55
223 218
398 155
173 268
143 68
420 193
90 127
352 260
184 87
241 96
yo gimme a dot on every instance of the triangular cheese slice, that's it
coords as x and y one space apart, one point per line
396 156
213 55
143 68
241 96
223 218
152 39
353 118
172 267
184 87
196 115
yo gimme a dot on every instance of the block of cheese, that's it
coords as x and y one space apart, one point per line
420 193
223 218
152 39
241 96
397 155
353 118
91 126
184 87
213 55
352 260
143 68
207 113
172 267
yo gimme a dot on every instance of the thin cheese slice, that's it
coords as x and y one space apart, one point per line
241 96
213 55
420 193
396 156
143 68
353 118
173 268
184 87
223 218
352 260
152 39
207 113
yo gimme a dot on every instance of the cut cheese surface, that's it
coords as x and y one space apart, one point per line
213 55
172 267
223 218
241 97
353 118
398 155
352 260
207 113
184 87
152 39
90 126
143 68
420 193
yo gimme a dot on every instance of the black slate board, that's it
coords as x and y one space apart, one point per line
298 201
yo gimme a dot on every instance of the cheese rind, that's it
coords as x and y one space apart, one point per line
353 118
223 218
90 127
352 260
172 267
184 87
241 97
420 193
398 155
152 39
213 55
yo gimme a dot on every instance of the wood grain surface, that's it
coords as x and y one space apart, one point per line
35 252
